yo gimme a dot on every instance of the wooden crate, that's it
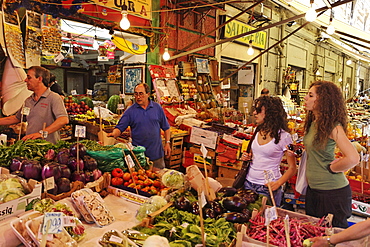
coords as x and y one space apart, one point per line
237 165
225 172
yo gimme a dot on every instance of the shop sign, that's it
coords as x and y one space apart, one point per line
234 28
360 208
141 8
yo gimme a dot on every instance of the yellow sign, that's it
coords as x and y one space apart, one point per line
236 27
142 8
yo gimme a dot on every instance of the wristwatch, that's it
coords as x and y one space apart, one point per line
329 169
168 141
329 243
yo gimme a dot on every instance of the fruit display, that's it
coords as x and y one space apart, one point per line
144 180
188 89
74 106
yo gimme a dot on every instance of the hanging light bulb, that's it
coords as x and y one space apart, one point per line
311 13
124 23
318 72
166 55
340 79
250 50
330 29
95 44
349 62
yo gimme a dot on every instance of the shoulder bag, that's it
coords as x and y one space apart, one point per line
242 174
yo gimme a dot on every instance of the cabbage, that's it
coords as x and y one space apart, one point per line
10 183
158 201
173 179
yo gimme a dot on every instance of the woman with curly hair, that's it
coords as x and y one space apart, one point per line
268 148
325 127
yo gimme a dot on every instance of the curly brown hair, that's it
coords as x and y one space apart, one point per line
331 110
275 116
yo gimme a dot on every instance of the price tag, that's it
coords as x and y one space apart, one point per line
69 221
89 92
185 224
130 163
202 199
25 111
129 145
58 58
225 103
269 176
116 239
270 215
295 137
195 96
235 113
204 150
80 131
49 183
120 106
74 92
53 223
245 104
244 121
103 59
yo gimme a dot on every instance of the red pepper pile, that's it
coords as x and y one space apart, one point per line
299 230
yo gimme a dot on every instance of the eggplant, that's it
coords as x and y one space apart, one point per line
235 217
90 163
182 203
16 164
77 147
209 213
234 203
217 208
195 208
250 195
227 191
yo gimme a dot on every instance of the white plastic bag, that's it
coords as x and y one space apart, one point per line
301 183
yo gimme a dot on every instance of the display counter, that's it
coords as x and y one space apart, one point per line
123 211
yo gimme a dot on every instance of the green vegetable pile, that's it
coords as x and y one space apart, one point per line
30 149
182 229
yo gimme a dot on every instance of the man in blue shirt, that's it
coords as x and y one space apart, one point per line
146 119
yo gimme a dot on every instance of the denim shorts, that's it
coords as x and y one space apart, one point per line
264 190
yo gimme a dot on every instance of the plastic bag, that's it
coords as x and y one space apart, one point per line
301 183
12 187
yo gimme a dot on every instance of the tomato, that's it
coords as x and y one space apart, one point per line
141 172
157 184
141 177
126 176
117 181
148 182
117 172
126 184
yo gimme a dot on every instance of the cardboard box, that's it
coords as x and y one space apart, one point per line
208 138
225 172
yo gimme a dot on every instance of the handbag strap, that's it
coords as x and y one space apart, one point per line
250 142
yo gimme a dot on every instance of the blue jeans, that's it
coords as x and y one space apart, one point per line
264 190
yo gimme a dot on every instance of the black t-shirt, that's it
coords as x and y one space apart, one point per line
57 89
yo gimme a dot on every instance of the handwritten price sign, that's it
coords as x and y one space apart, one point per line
53 223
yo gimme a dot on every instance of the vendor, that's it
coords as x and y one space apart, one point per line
146 119
43 107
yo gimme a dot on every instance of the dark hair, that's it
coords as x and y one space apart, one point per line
146 87
275 116
265 91
52 78
331 110
44 73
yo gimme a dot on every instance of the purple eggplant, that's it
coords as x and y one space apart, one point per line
182 203
235 217
227 191
234 203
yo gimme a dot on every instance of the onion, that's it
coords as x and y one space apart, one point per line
16 164
50 155
64 185
97 174
65 171
63 156
51 169
90 163
31 169
81 150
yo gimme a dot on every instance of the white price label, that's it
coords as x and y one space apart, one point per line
269 176
270 215
80 131
244 122
195 96
49 183
295 137
69 221
225 103
102 58
25 111
89 91
245 104
130 163
116 239
204 150
58 58
120 106
74 92
202 200
53 223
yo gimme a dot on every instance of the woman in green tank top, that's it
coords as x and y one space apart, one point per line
328 189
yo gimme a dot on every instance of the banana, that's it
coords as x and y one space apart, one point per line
128 46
